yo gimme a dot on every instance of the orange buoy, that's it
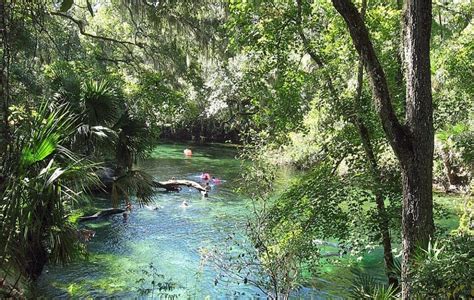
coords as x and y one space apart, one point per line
188 152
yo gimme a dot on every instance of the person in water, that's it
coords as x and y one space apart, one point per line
207 187
188 152
152 207
184 204
205 176
216 180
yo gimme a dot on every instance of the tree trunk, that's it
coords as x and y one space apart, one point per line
174 185
377 179
375 173
36 258
4 95
379 200
367 145
103 213
417 168
412 143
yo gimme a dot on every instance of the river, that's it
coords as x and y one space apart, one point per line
170 238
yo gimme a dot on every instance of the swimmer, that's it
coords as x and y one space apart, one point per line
205 176
152 207
188 152
207 187
216 180
184 204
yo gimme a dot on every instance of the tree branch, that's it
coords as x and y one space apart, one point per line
113 60
395 132
82 30
307 47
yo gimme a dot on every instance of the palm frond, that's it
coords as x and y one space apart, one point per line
64 243
48 128
364 286
45 179
100 103
134 182
100 132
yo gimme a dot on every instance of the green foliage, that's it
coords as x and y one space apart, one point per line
275 272
133 182
45 140
364 286
100 103
312 204
445 268
158 100
45 181
459 138
281 75
467 217
66 5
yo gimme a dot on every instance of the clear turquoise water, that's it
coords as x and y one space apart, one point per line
170 238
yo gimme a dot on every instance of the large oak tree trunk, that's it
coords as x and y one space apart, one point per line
417 167
413 142
417 213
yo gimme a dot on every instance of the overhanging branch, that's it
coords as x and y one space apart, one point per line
82 30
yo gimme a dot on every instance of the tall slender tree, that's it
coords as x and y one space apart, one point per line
412 141
5 57
366 143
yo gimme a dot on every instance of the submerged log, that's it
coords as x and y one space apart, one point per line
102 213
174 185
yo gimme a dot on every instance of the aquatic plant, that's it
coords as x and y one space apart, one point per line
151 283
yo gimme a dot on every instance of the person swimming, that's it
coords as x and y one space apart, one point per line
188 152
216 180
207 187
152 207
184 204
205 176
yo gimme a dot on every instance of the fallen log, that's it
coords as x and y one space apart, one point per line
174 185
102 213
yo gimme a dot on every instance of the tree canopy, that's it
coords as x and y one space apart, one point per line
370 103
